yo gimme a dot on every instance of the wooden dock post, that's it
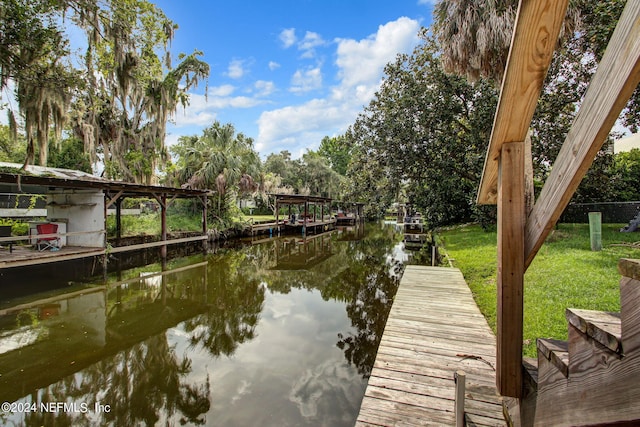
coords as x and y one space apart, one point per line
510 277
460 379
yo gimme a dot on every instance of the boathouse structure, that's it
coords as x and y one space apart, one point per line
349 213
77 203
305 215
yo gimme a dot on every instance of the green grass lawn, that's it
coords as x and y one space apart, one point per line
564 274
257 218
149 223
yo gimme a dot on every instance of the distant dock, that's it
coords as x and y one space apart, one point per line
434 329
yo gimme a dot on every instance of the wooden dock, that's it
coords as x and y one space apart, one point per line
299 227
434 329
26 255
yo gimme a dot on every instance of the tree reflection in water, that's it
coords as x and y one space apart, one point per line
142 385
235 302
362 273
369 286
147 366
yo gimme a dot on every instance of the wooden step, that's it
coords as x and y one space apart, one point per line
604 327
630 305
530 377
556 352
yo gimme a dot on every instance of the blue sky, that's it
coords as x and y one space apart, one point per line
289 72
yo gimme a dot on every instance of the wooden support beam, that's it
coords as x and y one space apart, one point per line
204 214
163 224
613 84
460 380
510 278
112 199
534 41
161 199
170 201
118 220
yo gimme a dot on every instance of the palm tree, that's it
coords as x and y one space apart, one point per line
475 35
218 159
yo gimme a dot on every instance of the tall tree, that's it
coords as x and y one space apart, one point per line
132 87
475 38
424 131
289 170
35 81
600 19
122 95
318 176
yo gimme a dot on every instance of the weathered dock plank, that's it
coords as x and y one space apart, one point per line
434 329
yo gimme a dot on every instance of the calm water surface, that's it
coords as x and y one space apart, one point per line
279 332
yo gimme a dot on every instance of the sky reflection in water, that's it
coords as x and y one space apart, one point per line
278 333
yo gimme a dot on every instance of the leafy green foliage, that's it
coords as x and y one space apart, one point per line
424 134
32 47
600 19
337 151
120 98
12 148
475 37
18 227
318 175
219 159
312 174
626 172
69 154
611 177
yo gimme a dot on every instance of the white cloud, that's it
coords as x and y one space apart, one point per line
202 111
264 88
188 117
305 81
171 139
223 90
361 66
309 43
236 69
273 65
288 37
296 127
362 62
427 2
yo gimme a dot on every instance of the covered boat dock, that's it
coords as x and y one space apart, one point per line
77 202
307 219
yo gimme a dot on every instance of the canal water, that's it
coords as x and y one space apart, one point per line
271 332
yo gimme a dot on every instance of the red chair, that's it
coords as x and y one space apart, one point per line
47 242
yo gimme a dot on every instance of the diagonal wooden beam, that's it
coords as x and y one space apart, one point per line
113 198
534 40
613 84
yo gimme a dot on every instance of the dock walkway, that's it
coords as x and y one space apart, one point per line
434 329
